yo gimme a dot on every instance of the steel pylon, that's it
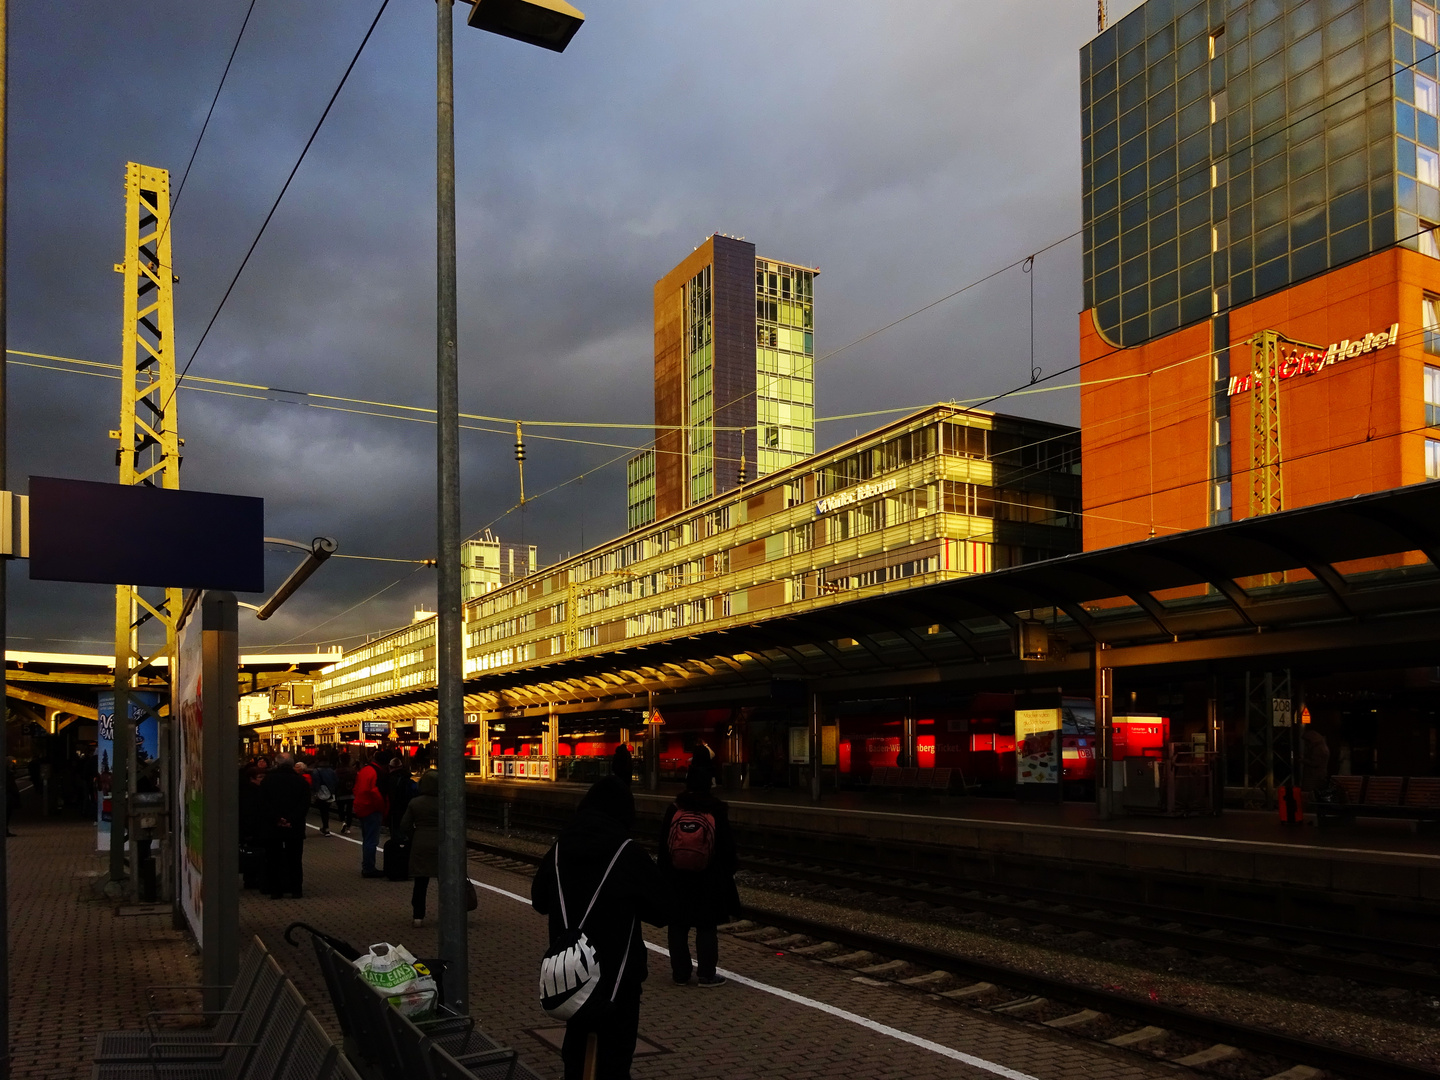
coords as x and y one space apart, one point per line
149 443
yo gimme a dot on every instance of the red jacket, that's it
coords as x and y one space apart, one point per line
369 799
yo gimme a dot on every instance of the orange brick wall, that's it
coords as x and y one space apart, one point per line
1354 427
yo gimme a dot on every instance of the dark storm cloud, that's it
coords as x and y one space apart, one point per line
904 148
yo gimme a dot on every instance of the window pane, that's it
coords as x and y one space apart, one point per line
1426 99
1430 319
1427 166
1432 459
1429 245
1422 22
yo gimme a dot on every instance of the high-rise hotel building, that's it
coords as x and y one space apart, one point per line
734 377
1256 166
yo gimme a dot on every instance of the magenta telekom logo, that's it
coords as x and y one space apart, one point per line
1302 360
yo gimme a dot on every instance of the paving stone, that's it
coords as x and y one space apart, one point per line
78 966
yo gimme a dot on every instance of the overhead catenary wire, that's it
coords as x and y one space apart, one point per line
180 188
276 204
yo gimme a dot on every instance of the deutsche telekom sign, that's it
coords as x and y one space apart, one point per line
1299 360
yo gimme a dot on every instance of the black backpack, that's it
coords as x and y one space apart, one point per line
570 968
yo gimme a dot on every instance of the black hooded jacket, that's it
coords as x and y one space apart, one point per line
634 892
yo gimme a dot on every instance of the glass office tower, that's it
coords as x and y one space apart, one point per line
1234 147
734 377
1253 166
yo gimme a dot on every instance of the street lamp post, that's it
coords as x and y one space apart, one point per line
550 24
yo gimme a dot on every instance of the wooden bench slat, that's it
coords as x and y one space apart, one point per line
1383 790
1423 791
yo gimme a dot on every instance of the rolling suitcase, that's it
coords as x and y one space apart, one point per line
397 859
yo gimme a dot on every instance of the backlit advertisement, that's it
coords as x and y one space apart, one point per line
1037 746
147 752
189 709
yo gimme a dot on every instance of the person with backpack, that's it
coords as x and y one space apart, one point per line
325 785
597 885
697 855
370 809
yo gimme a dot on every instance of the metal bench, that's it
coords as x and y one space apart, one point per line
135 1045
390 1044
259 1058
1413 797
893 776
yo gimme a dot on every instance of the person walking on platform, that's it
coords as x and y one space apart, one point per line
253 830
399 790
285 799
370 809
325 783
421 825
697 854
345 793
595 857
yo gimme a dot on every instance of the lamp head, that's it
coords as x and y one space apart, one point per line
549 24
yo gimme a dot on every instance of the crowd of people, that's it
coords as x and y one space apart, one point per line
595 880
372 788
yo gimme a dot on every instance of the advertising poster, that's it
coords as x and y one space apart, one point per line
188 708
1037 746
147 751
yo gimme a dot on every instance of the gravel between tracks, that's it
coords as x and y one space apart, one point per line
1413 1043
1372 1035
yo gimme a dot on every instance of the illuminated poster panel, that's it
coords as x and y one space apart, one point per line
189 709
1037 746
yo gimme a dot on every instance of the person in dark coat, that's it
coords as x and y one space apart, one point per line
634 892
399 790
421 824
706 897
324 781
253 832
285 803
622 765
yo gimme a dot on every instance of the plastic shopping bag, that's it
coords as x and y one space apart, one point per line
394 973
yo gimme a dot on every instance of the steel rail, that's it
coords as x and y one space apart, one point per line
1294 1048
1248 951
1301 1050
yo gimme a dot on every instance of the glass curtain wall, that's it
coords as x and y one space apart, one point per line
784 365
699 339
1233 147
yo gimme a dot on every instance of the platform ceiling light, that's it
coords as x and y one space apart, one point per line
549 24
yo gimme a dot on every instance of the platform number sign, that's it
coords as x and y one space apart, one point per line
1280 712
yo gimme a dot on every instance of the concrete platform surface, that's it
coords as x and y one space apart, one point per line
79 968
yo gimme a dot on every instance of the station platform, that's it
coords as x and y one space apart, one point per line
80 965
1373 876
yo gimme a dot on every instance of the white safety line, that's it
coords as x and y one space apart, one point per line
810 1003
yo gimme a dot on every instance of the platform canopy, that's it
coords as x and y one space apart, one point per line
1357 576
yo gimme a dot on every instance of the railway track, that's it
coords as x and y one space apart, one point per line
1317 952
1204 1043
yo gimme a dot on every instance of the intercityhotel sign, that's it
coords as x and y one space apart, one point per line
854 495
1303 360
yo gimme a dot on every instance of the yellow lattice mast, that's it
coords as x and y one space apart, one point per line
1267 493
149 442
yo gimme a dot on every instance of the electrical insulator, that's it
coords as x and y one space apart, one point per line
519 451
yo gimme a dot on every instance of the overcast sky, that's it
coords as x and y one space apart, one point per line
906 148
